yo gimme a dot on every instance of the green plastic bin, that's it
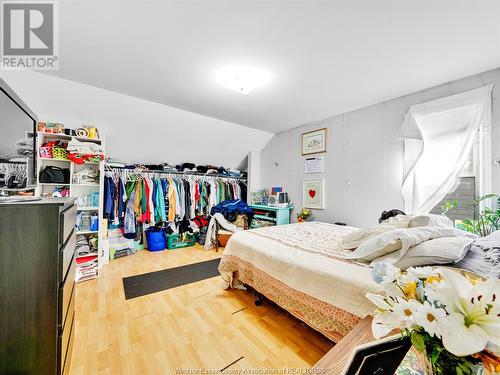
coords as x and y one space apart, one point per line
177 241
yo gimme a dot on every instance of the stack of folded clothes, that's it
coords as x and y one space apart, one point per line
85 245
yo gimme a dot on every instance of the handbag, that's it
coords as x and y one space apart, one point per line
51 174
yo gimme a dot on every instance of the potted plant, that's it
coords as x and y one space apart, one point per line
488 220
303 215
453 320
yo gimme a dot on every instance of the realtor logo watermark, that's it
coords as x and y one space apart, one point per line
30 35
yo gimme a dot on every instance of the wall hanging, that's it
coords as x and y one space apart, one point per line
313 193
314 142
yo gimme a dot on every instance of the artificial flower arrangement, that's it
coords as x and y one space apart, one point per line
452 319
303 215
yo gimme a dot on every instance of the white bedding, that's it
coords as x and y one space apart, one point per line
313 270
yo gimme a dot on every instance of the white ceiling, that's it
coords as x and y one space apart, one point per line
324 57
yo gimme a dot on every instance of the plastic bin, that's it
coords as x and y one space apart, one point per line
177 241
155 239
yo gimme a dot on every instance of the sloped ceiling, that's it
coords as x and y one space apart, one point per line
324 57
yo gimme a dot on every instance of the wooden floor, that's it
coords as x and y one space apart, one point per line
194 326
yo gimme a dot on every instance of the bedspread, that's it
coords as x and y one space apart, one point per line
308 281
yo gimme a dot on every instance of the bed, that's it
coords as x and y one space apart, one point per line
301 268
305 267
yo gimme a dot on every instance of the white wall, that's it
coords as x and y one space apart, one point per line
137 130
363 165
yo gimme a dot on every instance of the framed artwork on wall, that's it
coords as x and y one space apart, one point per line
313 195
314 142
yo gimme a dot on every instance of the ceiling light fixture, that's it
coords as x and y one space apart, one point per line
242 79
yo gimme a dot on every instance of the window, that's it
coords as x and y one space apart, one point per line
447 150
465 189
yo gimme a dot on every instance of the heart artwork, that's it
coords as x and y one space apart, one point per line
312 193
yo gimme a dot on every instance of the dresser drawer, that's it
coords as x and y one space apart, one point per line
66 256
66 342
67 360
68 221
66 295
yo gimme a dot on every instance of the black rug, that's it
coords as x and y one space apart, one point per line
152 282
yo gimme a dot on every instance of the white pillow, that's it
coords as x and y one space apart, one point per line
397 239
444 250
398 221
354 239
430 220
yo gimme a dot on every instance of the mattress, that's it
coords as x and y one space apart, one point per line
300 267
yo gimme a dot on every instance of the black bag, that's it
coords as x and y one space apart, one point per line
54 175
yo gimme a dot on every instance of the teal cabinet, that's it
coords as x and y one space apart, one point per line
276 215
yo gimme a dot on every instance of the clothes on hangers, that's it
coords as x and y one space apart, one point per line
134 198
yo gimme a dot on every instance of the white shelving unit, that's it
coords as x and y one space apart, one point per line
76 190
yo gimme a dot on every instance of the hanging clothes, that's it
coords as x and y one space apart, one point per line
109 198
172 201
148 199
129 222
159 203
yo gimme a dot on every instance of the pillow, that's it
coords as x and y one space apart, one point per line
398 221
444 250
354 239
430 220
397 239
490 241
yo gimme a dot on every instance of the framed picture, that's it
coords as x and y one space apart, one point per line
314 142
313 195
379 357
314 164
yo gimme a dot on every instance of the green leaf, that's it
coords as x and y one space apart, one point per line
418 341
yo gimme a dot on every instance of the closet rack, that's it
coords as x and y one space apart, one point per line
135 174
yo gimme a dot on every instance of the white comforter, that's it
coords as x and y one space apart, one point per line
314 268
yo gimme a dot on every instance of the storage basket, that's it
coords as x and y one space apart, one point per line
177 241
223 237
46 152
155 238
59 153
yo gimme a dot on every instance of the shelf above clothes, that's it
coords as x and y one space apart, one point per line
171 172
67 137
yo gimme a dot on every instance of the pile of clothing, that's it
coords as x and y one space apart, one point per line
25 147
87 268
87 175
86 245
231 215
212 170
115 163
80 152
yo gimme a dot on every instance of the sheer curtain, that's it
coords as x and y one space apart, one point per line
438 136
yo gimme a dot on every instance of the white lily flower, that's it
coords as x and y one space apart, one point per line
430 318
384 273
383 323
392 313
474 312
385 318
383 303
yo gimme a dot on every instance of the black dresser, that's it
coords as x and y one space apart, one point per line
37 282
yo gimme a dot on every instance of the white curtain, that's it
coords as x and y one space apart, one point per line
438 136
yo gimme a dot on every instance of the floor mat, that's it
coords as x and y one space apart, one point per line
152 282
